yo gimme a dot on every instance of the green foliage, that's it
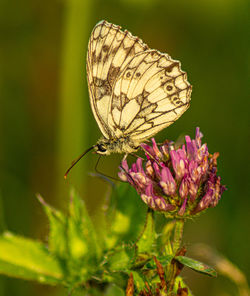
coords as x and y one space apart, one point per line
114 290
179 282
146 242
84 260
27 259
125 217
121 259
196 265
57 239
73 240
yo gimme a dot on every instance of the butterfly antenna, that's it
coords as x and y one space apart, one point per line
76 161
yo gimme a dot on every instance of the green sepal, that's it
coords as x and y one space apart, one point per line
27 259
196 265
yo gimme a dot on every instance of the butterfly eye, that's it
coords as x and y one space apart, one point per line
101 148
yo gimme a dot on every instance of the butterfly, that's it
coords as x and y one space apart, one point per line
134 91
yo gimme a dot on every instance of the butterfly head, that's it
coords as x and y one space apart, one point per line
103 147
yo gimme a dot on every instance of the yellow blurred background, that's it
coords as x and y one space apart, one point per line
46 120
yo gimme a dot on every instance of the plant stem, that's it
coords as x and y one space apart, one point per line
178 232
176 243
73 103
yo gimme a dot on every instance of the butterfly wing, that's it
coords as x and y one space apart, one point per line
109 52
150 93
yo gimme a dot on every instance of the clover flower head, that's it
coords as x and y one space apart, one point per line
181 182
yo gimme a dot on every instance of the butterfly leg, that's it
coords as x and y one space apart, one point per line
125 157
137 156
131 154
100 174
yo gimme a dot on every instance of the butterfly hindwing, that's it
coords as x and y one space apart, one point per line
150 93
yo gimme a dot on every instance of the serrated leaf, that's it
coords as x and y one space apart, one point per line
27 259
114 290
82 238
58 230
196 265
83 248
73 239
125 215
147 239
139 281
115 277
121 259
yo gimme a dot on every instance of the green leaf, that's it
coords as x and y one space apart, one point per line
81 290
58 230
117 278
27 259
139 280
141 260
114 290
121 259
147 239
125 215
84 252
196 265
73 240
164 260
82 238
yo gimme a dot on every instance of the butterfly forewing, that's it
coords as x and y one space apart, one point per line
109 51
134 91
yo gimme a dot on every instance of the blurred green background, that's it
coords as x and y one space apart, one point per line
46 120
